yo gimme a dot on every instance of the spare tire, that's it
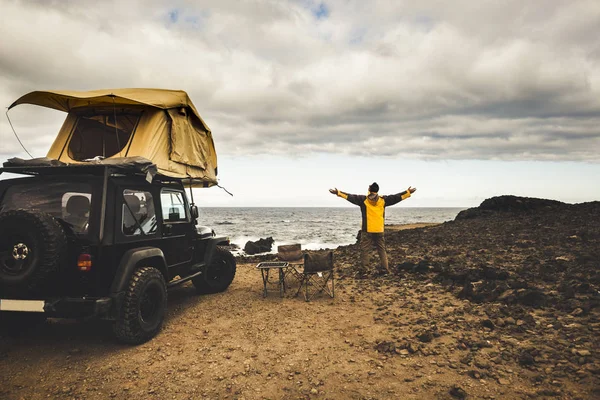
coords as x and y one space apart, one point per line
32 246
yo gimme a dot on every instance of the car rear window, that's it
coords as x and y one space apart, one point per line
67 201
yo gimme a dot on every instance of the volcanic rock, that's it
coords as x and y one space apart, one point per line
458 392
386 347
259 246
526 271
508 204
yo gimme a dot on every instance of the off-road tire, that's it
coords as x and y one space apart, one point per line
46 244
144 307
218 274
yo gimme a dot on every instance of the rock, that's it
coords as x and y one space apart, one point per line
526 358
467 359
474 374
517 203
548 392
507 296
492 273
386 347
584 353
259 246
425 337
467 291
458 392
577 311
531 297
412 348
487 323
482 364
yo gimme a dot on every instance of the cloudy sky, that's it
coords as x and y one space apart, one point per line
461 99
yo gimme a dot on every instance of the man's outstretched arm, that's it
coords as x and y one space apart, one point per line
352 198
398 197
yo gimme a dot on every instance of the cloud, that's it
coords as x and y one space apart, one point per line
431 80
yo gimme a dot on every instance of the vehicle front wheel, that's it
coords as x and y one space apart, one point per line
219 273
144 307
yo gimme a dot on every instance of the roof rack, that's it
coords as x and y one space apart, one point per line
44 166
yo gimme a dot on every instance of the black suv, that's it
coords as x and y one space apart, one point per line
102 240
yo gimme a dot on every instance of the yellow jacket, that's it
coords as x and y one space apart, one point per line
373 207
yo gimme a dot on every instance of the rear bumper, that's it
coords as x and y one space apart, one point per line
65 307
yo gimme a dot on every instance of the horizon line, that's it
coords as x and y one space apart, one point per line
349 207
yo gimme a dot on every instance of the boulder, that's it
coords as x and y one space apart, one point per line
259 246
508 203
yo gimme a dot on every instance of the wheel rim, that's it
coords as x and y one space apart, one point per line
16 256
150 305
216 271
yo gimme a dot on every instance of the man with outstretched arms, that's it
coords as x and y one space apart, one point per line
372 208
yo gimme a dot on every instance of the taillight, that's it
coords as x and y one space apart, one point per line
84 262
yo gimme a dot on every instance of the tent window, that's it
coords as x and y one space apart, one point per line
96 134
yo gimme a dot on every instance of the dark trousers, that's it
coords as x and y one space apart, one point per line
367 239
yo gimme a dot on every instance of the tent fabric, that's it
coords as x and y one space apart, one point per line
67 100
169 132
191 141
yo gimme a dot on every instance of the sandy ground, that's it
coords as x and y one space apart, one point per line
239 345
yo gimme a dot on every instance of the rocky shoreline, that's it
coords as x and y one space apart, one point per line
532 268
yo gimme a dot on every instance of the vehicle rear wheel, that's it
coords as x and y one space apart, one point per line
218 275
32 245
144 307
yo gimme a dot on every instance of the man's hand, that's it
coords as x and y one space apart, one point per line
333 191
412 189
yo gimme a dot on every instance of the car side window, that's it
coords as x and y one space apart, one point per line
173 206
138 213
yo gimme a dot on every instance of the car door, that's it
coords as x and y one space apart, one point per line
176 228
137 222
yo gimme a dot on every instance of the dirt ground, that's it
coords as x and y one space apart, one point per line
239 345
465 315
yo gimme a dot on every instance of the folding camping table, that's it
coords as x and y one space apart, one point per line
267 266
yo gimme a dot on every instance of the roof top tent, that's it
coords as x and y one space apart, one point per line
160 125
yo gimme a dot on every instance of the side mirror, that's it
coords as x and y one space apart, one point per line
194 212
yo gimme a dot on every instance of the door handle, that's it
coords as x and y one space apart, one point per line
167 229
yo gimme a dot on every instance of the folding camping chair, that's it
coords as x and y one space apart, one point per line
317 273
292 254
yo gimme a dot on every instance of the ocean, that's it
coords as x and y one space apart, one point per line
313 227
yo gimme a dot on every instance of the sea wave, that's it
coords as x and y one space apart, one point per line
313 228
